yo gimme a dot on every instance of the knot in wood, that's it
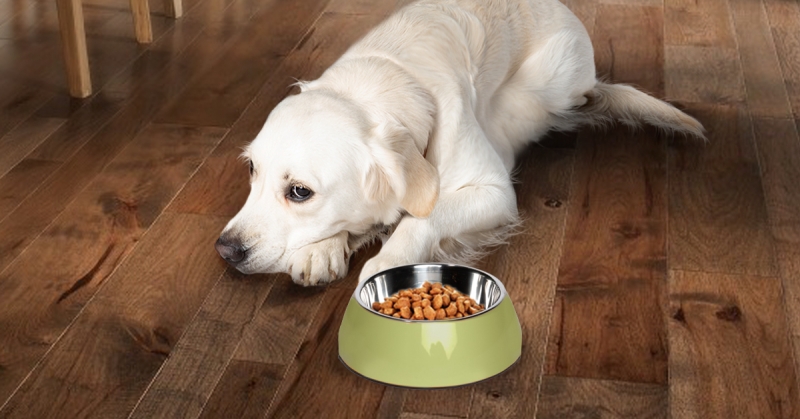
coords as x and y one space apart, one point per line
730 314
553 203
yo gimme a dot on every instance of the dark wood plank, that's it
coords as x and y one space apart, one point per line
244 390
18 101
44 289
24 138
392 401
278 327
631 53
784 19
451 402
730 355
528 267
316 383
702 23
778 145
607 321
703 75
718 220
567 397
766 92
221 94
194 367
21 181
104 362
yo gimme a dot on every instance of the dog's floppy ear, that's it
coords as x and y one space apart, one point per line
399 169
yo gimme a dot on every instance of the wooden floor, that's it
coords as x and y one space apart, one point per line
654 277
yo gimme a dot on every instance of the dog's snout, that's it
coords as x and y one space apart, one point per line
230 249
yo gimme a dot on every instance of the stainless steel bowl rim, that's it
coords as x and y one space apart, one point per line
497 282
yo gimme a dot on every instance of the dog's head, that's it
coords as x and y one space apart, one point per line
321 165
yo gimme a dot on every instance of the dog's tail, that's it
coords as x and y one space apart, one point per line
632 107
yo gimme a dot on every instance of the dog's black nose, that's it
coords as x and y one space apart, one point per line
230 250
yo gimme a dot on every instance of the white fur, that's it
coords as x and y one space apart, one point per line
416 127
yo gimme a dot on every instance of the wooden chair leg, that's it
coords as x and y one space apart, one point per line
173 8
141 21
73 41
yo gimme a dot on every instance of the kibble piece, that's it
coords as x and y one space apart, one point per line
426 286
376 306
388 311
402 302
452 309
426 296
425 303
405 293
429 313
437 285
473 310
460 305
436 291
446 300
387 304
405 312
396 315
437 302
416 304
440 314
418 313
459 315
416 297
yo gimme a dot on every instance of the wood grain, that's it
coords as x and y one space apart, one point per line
23 139
766 92
778 147
186 380
632 52
528 267
277 329
607 322
783 19
21 181
718 221
221 93
703 75
567 397
730 355
244 390
316 384
105 361
44 289
701 23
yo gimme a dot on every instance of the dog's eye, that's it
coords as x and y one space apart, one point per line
252 169
298 193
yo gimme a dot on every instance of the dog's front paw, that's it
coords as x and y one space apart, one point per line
322 262
379 263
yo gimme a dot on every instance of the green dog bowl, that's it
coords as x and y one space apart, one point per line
425 353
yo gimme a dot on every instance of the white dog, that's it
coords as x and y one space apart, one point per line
414 130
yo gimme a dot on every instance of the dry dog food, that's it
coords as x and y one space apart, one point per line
428 302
